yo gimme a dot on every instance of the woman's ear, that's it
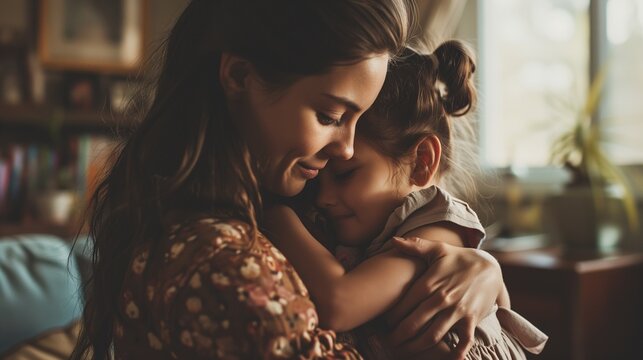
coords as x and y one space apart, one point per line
427 160
234 73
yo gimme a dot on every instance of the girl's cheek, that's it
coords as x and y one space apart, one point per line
360 196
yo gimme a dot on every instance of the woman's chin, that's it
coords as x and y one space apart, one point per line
289 188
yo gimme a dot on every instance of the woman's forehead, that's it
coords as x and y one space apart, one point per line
355 85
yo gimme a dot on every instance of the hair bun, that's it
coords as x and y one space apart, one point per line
456 66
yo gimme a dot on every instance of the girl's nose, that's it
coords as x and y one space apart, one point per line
326 196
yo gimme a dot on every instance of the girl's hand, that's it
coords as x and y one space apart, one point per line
458 289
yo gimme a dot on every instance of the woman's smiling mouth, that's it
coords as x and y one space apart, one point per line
307 171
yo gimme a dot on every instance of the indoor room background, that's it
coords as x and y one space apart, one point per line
558 146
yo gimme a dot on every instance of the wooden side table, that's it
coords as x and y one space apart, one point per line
590 305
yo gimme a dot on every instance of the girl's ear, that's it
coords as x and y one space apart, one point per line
234 73
427 160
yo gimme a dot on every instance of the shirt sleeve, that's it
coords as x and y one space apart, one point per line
243 300
445 207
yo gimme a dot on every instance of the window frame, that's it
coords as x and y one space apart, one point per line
598 53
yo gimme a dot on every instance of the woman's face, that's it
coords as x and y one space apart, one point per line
293 132
358 195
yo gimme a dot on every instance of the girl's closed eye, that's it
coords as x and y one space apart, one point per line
345 174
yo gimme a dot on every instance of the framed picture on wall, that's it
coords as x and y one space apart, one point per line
95 35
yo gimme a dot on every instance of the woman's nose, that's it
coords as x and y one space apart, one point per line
342 146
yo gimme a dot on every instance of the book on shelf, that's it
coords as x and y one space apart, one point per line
31 170
12 178
5 176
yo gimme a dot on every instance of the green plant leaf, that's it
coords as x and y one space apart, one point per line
579 149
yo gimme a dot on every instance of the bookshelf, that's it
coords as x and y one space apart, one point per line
55 121
32 161
62 107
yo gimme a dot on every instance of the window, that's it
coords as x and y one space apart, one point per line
535 61
622 113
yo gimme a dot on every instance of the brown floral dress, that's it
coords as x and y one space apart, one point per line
212 292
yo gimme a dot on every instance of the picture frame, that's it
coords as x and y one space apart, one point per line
94 35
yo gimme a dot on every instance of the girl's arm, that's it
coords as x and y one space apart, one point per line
503 299
344 300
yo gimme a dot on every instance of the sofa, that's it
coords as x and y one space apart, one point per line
40 295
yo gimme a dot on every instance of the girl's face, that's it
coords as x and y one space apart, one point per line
359 194
295 131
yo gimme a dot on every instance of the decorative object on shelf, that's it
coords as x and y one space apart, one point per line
37 77
120 93
56 207
81 92
104 36
14 75
597 206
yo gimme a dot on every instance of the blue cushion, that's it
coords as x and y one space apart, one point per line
82 252
39 286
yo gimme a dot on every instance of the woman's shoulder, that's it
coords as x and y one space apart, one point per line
207 229
230 275
200 240
228 292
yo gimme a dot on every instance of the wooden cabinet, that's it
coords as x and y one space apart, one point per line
590 305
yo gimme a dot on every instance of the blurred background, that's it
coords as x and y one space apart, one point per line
558 137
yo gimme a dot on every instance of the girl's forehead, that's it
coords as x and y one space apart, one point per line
363 152
363 148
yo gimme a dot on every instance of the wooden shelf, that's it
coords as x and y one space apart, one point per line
578 261
66 232
44 116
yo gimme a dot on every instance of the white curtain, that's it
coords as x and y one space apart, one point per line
437 21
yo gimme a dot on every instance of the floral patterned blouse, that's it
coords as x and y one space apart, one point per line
212 292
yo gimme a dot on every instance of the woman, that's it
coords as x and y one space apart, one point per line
254 97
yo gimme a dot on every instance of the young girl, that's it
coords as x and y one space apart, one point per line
403 151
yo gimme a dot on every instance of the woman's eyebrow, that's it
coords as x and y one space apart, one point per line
346 102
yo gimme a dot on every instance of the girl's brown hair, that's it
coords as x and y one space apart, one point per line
420 97
186 154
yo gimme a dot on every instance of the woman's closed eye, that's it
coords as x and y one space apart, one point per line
326 119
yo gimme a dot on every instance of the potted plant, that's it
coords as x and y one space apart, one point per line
55 200
57 204
598 203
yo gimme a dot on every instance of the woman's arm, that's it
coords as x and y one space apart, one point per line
449 233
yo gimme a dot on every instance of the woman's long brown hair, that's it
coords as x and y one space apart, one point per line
186 154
